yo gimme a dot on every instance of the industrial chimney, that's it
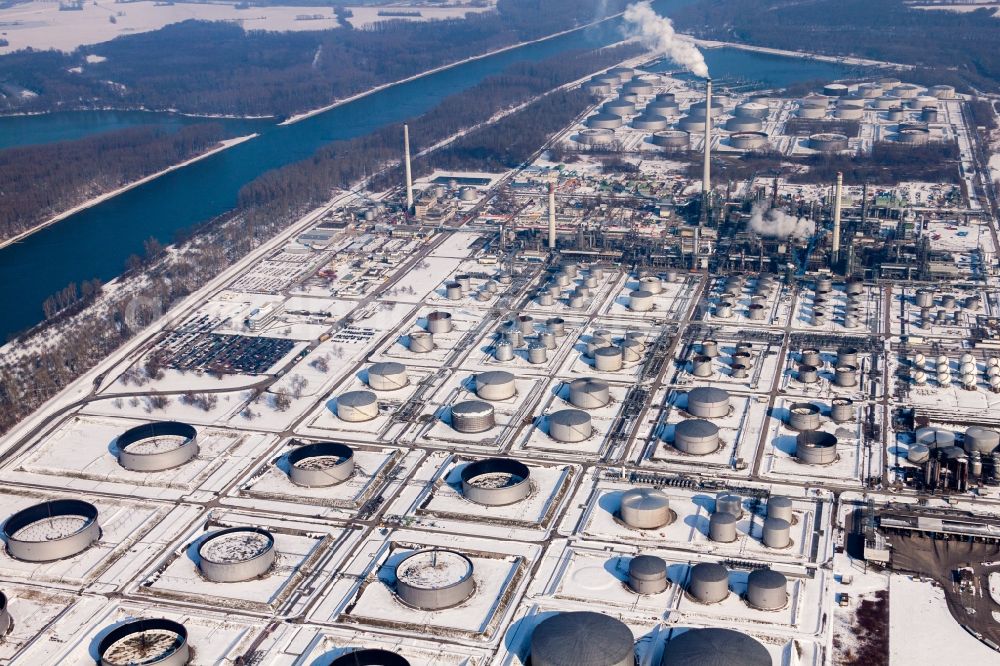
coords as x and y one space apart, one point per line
406 166
706 177
552 216
838 193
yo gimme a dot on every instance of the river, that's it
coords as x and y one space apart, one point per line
97 241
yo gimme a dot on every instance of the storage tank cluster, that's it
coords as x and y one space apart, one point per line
434 579
610 353
496 481
157 446
968 371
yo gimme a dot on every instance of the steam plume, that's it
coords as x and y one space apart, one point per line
657 33
776 223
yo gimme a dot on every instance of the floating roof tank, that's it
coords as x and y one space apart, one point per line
842 410
595 137
496 481
828 142
714 647
320 465
674 139
803 416
645 508
650 121
619 107
158 446
815 447
434 579
748 140
701 366
835 90
357 406
751 110
52 530
744 124
146 641
640 300
236 554
439 322
582 639
709 582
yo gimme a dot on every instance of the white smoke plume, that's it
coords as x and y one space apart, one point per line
657 33
776 223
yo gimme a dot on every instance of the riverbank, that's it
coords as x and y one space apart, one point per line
223 145
443 68
839 60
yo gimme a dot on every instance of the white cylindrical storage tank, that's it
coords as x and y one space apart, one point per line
582 639
547 339
894 113
620 107
983 440
569 425
236 554
812 112
849 113
767 589
845 376
650 283
608 359
777 533
779 506
605 121
709 583
645 509
811 356
153 640
918 454
748 140
421 342
640 300
803 416
870 90
724 310
320 465
545 299
434 579
672 139
710 348
722 527
924 298
744 124
886 102
808 374
357 406
715 647
495 385
537 353
472 416
556 325
701 366
757 312
935 438
595 137
595 88
504 351
650 122
751 110
453 291
907 91
815 447
157 446
53 530
828 142
439 322
841 410
647 574
835 90
696 437
389 376
727 502
942 91
589 393
847 356
708 402
496 481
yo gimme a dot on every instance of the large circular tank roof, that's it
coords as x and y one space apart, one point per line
236 554
715 647
582 639
51 530
147 641
157 446
370 657
321 464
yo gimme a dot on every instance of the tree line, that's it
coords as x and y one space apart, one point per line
40 181
218 68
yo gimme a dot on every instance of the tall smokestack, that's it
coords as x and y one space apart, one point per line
836 217
406 166
552 216
706 176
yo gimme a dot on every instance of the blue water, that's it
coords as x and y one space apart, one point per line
97 241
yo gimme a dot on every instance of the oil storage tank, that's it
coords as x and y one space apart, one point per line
779 506
595 137
589 393
357 406
433 579
496 481
605 120
722 527
5 619
650 121
748 140
828 142
236 554
647 574
645 508
472 416
777 533
744 124
582 638
320 465
708 402
709 582
767 589
495 385
370 657
569 425
146 641
803 416
696 437
158 446
982 440
52 530
672 139
715 647
608 359
389 376
815 447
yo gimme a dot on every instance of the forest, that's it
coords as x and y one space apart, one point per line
948 47
216 67
38 182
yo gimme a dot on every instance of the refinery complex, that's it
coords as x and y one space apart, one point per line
629 404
